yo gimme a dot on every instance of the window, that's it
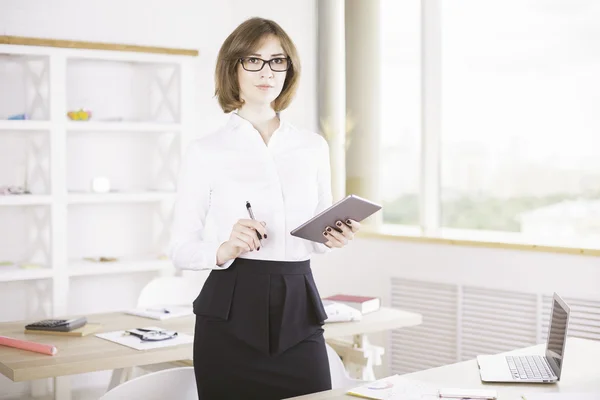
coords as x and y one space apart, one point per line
400 152
520 128
520 122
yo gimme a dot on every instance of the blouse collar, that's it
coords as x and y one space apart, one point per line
235 121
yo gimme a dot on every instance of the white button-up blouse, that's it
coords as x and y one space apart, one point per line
287 182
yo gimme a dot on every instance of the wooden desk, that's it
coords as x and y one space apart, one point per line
89 353
78 355
580 374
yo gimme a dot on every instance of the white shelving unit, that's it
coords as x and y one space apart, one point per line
122 127
25 200
141 117
24 126
139 264
106 198
17 274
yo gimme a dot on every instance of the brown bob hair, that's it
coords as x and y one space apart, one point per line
244 40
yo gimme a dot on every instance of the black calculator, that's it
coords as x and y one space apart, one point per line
59 325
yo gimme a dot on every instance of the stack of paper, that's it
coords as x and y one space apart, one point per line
122 338
338 312
162 312
561 396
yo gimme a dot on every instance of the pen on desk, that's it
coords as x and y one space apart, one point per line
162 310
249 208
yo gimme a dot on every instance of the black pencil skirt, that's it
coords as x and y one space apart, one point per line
259 332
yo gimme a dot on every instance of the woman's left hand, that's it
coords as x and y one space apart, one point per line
339 239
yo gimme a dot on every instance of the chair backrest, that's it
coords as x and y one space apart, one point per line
168 290
174 383
339 376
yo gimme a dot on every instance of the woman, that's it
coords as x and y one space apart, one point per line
259 315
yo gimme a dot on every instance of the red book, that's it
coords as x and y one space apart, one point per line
364 304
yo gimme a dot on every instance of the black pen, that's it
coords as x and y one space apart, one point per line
249 208
162 310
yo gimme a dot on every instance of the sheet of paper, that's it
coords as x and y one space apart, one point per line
396 388
561 396
338 312
135 342
159 312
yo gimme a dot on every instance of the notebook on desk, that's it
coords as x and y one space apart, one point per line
395 388
85 330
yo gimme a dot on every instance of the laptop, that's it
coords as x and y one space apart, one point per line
532 368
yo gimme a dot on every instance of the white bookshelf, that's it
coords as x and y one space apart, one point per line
25 200
141 264
11 274
24 125
122 127
142 105
107 198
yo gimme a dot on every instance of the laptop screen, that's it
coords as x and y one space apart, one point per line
557 335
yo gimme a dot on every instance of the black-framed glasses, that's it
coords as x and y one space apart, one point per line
255 64
152 335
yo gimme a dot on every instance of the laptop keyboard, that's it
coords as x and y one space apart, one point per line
529 367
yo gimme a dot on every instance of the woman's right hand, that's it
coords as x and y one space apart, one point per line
243 239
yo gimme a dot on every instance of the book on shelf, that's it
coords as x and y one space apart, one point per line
364 304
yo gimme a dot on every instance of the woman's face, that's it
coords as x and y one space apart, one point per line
262 87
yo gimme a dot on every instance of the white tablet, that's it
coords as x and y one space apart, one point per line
350 207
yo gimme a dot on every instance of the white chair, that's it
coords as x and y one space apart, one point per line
174 383
169 290
162 291
340 379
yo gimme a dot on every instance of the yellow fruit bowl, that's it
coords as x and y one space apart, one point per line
79 115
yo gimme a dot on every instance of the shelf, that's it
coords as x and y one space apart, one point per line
142 115
84 126
112 198
24 200
10 274
90 268
27 125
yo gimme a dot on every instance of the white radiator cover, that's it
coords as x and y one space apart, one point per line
460 322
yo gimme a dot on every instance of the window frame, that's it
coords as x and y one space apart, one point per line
430 229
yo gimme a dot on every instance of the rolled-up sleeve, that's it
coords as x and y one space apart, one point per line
324 187
188 246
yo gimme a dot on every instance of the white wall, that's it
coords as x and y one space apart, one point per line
367 265
201 25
